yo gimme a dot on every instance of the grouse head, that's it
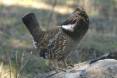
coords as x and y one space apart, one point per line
76 24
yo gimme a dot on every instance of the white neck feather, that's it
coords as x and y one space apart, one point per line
69 27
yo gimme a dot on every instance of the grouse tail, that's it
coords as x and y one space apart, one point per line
32 25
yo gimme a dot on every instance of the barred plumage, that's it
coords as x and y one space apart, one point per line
56 44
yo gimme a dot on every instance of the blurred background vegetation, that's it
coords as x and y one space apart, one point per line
16 42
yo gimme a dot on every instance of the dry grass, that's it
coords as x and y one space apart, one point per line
6 71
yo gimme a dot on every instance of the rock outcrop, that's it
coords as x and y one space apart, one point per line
106 68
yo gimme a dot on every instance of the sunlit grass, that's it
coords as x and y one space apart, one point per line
39 5
6 71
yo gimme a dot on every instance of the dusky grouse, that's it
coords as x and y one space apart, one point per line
57 43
